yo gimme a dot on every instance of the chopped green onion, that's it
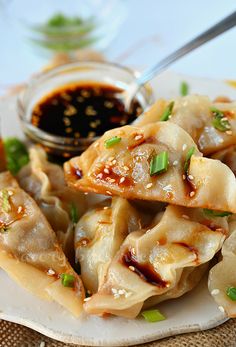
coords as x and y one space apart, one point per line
112 141
74 215
159 164
231 293
5 201
188 158
67 280
213 213
16 154
153 316
167 112
184 88
219 122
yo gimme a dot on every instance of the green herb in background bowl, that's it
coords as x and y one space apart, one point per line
63 33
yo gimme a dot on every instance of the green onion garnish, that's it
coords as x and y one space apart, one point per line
16 154
5 201
153 316
188 158
159 164
67 280
112 141
219 121
184 88
212 213
74 215
231 293
167 112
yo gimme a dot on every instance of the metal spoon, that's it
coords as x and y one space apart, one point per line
217 29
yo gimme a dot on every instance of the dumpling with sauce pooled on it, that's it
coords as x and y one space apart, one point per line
152 263
61 205
30 252
98 237
158 162
212 125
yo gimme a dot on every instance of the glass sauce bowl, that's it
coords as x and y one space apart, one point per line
78 73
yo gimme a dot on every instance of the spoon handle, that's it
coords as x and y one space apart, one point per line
217 29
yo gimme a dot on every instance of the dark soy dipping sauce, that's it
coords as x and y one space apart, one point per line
143 270
83 111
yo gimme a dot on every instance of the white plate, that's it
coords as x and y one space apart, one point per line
192 312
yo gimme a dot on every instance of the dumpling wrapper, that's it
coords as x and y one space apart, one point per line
124 169
45 182
193 114
29 250
151 262
228 157
223 275
98 237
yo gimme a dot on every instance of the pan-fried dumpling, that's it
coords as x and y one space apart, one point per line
98 237
151 262
196 114
228 157
29 250
153 163
45 182
222 277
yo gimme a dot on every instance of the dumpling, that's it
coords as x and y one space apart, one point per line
98 237
45 182
153 163
29 250
195 114
151 262
222 277
228 157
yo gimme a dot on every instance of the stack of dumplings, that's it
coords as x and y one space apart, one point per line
167 204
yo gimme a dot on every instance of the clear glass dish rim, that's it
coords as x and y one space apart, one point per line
60 140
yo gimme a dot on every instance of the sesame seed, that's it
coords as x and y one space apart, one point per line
224 119
167 188
109 193
113 162
149 185
91 134
106 171
69 130
51 272
20 208
67 121
93 125
100 175
84 242
184 177
133 251
175 163
127 294
87 299
10 193
88 291
85 93
108 104
105 208
77 134
86 193
80 99
192 194
215 292
111 180
229 132
107 166
221 308
111 158
70 111
185 216
122 179
132 268
42 344
123 122
148 231
89 111
138 137
190 177
126 168
184 146
221 141
114 290
121 291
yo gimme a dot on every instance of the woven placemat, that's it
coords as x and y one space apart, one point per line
13 335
